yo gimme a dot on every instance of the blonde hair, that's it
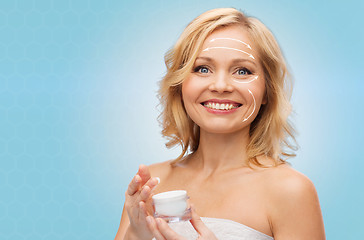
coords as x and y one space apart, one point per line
271 130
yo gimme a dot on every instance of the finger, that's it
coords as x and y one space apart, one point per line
144 173
152 225
142 211
197 223
147 189
152 182
134 185
135 202
144 194
166 231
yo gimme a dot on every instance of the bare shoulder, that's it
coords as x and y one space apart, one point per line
289 181
283 179
285 184
294 208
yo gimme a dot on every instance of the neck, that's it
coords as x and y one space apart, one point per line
221 151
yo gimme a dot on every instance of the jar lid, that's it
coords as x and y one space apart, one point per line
170 196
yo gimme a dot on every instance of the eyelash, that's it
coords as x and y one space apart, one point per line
248 72
198 68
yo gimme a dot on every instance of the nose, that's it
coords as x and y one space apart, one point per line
221 83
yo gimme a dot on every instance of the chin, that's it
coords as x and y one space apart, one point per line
221 128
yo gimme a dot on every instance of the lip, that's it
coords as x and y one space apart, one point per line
215 111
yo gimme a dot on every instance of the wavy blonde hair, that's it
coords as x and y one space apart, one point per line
271 131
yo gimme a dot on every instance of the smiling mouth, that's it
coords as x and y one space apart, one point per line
221 106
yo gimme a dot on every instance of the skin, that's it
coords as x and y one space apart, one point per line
277 201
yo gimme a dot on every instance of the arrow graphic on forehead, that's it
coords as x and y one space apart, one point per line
209 48
254 106
233 39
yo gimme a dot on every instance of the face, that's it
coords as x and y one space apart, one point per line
226 87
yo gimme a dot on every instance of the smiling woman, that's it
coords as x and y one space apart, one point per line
229 74
226 102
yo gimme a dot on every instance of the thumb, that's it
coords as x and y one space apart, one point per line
197 223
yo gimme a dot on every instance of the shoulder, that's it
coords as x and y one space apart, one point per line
286 182
285 185
293 208
283 179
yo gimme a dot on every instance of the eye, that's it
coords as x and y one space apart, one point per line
201 69
243 71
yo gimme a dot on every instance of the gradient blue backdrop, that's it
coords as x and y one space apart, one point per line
78 82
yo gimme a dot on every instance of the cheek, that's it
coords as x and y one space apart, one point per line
185 91
259 94
187 95
190 90
256 89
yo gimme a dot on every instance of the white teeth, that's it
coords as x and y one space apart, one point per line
218 106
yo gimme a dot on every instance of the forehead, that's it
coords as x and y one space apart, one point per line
226 34
229 42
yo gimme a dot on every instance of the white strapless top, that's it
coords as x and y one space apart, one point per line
223 229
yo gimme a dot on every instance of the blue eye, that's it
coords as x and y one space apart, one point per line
201 69
204 70
243 71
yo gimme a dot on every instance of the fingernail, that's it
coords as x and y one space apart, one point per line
158 180
141 166
159 221
136 178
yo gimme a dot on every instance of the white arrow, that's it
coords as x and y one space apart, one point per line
254 78
233 39
207 49
254 106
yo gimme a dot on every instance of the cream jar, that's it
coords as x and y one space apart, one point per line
172 206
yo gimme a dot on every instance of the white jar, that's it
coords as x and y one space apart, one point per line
172 206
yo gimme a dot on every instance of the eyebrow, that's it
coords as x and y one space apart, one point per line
236 60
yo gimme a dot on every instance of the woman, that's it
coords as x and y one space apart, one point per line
226 102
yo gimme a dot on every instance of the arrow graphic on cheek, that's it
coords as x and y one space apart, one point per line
253 108
251 80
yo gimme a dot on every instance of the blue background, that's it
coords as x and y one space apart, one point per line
78 106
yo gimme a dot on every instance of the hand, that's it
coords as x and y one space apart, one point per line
161 230
137 201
